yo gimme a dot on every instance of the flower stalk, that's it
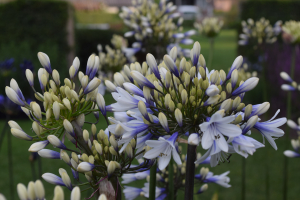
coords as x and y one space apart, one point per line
190 172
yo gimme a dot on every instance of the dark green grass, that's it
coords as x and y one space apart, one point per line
225 53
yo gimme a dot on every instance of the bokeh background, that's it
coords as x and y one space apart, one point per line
65 29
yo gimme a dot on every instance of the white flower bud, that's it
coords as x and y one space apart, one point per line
178 116
20 134
92 85
36 109
13 96
22 192
30 190
39 189
173 53
55 76
29 76
212 90
102 197
56 110
76 63
111 167
67 104
163 121
193 139
292 124
75 194
119 79
85 167
80 120
110 86
58 193
13 124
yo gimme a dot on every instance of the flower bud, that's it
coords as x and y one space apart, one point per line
141 80
184 96
58 193
29 76
55 76
226 105
30 191
85 167
13 124
22 192
212 100
212 90
202 62
45 61
178 116
13 96
37 146
56 142
236 102
169 62
163 121
20 134
80 120
248 111
193 139
86 135
36 110
246 86
98 148
39 189
110 86
75 194
101 103
92 85
119 79
111 167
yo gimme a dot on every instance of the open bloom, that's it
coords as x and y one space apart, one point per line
163 148
244 145
215 129
269 129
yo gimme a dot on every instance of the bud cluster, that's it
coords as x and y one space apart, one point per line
62 115
259 32
153 25
179 98
210 26
292 85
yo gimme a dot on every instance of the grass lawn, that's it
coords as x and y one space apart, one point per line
96 17
264 160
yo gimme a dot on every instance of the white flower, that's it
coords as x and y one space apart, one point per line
163 148
215 128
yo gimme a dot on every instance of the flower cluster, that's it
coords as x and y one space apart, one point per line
210 26
259 32
94 154
290 32
115 58
153 26
201 180
176 99
35 190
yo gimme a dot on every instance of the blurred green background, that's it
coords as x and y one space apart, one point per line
62 30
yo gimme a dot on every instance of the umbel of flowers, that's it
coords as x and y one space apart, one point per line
259 32
153 26
202 179
35 190
95 153
161 104
210 26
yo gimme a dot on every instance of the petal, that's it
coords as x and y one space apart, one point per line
229 130
176 156
164 161
207 140
221 142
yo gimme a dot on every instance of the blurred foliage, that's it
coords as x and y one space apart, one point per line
87 41
28 27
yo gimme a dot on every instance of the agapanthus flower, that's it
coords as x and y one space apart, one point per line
290 32
153 26
258 32
209 26
184 98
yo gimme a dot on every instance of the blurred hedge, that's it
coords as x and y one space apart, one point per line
31 26
87 41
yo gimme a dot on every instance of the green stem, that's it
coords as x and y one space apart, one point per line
152 182
171 180
211 53
288 115
190 172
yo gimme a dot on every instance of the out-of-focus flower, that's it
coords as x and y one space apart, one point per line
210 26
291 32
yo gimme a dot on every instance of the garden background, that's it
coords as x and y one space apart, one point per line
64 30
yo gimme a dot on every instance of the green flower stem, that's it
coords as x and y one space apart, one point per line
171 180
211 52
287 133
152 182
